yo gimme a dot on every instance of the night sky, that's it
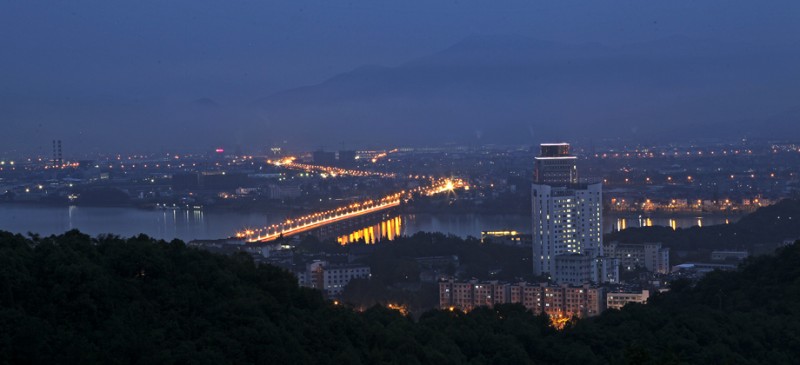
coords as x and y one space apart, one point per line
195 74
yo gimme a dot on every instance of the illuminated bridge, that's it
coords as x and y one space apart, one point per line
316 220
325 171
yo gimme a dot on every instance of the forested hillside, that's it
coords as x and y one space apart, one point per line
76 299
772 224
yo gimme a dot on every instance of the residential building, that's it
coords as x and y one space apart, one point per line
650 256
619 300
567 221
331 279
573 269
555 300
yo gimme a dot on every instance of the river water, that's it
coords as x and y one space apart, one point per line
189 225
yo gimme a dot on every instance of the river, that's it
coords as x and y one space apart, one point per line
189 225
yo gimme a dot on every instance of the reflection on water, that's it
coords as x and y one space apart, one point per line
620 223
385 230
464 225
162 224
189 225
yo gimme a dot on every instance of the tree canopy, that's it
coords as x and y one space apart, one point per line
76 299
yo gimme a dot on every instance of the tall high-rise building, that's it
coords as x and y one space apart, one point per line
324 158
555 165
58 160
567 221
346 158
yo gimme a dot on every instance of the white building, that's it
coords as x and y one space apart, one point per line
331 278
574 269
567 221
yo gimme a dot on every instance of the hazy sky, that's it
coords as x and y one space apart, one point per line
74 63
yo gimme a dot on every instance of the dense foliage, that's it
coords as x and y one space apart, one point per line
397 274
74 299
393 261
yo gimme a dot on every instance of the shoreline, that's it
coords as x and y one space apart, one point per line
737 214
148 207
403 210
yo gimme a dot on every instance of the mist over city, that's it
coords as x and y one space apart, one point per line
413 182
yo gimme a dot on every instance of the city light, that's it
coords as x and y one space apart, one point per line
327 171
318 219
398 307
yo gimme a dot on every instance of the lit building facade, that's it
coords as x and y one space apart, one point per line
554 300
567 221
555 165
619 300
508 237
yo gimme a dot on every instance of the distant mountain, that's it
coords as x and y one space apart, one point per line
205 102
518 90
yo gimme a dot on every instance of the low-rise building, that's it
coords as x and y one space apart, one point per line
284 191
618 300
650 256
701 267
555 300
575 269
724 255
331 279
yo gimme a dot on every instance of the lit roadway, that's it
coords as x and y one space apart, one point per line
315 220
325 171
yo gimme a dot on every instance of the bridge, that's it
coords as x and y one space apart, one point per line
325 171
316 220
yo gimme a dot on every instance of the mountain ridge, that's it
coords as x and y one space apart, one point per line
503 87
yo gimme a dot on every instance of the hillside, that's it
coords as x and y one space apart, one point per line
74 299
514 89
768 225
